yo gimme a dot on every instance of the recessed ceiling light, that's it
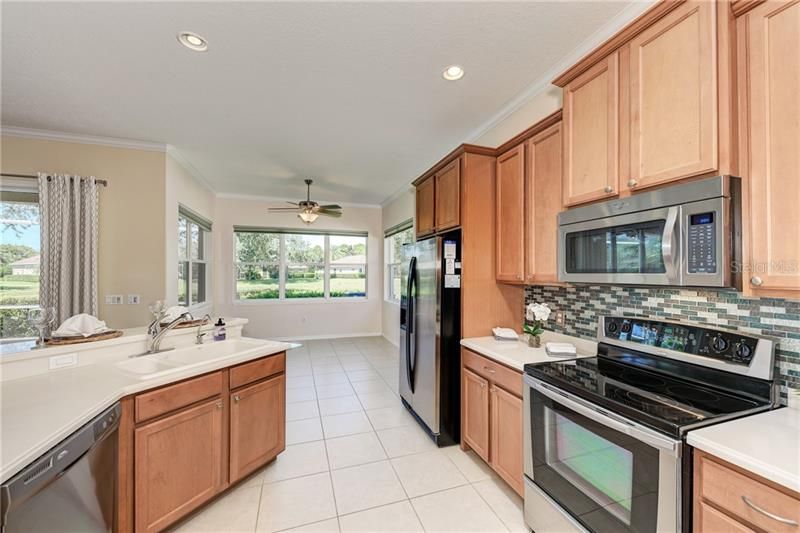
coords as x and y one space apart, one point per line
453 73
192 41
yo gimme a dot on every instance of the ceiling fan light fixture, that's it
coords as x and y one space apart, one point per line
308 216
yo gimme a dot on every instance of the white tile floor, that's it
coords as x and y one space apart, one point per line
356 461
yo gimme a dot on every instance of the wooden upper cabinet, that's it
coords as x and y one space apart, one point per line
674 97
475 413
425 206
448 196
510 197
542 205
591 133
258 425
178 464
506 436
769 85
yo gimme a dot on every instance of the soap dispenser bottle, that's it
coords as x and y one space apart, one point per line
219 330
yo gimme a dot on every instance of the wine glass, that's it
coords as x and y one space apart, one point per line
41 318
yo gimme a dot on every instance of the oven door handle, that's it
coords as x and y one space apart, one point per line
602 416
670 245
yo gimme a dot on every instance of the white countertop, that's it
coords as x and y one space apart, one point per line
516 354
38 411
767 444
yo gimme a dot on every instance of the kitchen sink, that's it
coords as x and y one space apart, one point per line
146 366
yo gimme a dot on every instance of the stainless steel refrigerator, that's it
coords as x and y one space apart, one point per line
430 332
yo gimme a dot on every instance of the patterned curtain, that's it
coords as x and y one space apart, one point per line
68 270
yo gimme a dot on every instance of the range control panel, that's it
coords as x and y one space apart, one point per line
702 244
723 345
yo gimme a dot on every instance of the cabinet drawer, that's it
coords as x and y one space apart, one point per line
158 402
258 369
727 489
509 379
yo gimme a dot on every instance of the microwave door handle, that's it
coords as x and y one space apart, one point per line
670 244
602 417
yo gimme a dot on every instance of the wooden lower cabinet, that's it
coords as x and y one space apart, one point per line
258 425
178 462
491 415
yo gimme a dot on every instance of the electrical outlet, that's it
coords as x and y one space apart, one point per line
113 299
133 299
561 317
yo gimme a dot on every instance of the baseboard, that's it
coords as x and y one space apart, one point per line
390 341
331 336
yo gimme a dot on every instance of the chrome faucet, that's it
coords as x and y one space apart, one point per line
156 332
205 320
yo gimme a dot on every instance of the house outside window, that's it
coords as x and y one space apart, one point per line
279 265
194 242
393 242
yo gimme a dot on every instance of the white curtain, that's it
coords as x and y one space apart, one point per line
68 275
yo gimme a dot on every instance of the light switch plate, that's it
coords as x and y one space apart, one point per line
113 299
63 361
133 299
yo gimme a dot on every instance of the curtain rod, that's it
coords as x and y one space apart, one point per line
31 176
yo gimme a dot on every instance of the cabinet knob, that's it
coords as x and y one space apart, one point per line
492 390
609 188
219 404
483 385
236 398
632 182
755 280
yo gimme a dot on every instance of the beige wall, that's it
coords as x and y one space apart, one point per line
131 251
398 210
182 188
531 112
297 319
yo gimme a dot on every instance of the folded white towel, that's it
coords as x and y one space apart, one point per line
174 312
81 325
560 348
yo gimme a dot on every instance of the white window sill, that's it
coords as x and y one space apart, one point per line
393 302
302 301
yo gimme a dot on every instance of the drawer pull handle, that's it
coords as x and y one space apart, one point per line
489 370
775 517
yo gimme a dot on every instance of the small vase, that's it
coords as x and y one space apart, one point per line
534 341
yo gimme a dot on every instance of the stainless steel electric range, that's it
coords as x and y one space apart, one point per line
605 436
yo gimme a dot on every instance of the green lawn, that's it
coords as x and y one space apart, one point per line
299 288
19 290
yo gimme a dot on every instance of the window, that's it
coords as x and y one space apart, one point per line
393 258
193 254
19 262
280 265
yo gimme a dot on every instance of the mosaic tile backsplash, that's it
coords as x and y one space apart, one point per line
774 317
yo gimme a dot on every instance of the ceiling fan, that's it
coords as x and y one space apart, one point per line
307 210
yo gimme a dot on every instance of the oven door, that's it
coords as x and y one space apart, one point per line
640 248
606 472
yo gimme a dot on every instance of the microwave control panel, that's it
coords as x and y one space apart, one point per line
701 248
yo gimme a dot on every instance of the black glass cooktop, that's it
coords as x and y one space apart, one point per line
633 385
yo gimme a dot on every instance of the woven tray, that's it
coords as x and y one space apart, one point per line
183 325
64 341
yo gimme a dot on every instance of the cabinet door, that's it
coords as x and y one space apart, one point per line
425 207
591 134
673 92
178 464
448 196
506 436
475 423
769 37
258 429
510 253
543 202
709 520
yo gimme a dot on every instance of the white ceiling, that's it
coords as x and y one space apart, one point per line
350 94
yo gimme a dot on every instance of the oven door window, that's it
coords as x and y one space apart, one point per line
631 248
604 478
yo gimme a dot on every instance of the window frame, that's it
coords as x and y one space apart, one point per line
204 227
388 286
284 263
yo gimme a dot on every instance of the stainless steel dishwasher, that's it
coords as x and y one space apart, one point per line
70 488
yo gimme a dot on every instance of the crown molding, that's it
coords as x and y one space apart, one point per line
405 189
259 198
544 82
190 168
49 135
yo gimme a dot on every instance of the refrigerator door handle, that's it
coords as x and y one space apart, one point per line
410 321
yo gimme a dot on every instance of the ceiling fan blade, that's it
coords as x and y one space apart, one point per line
330 206
329 212
292 203
283 209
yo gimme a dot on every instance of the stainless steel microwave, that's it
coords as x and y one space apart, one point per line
686 235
